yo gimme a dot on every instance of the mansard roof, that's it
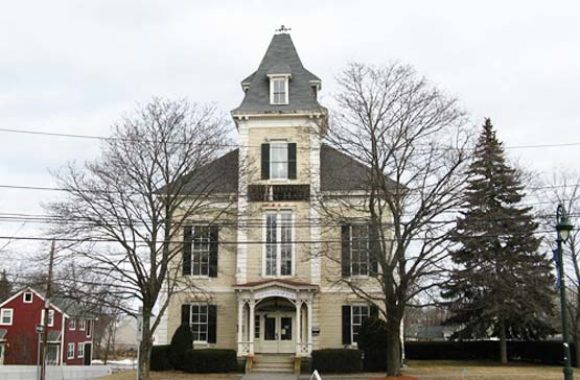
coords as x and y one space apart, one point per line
281 58
338 172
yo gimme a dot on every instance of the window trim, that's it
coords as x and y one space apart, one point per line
193 227
350 244
352 306
278 213
2 312
79 353
68 350
285 80
27 294
279 143
50 320
206 321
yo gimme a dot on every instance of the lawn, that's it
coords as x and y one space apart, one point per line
465 370
171 375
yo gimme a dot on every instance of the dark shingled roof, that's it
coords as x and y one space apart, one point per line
280 56
338 172
219 176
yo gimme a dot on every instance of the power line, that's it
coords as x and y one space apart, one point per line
104 138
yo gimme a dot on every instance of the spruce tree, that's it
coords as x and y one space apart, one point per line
501 286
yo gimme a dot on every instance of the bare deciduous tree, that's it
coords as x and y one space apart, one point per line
124 211
413 140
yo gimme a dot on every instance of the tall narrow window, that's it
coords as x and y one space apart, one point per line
200 251
359 314
356 255
279 160
279 91
279 250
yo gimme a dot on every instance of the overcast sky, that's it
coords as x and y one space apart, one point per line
76 66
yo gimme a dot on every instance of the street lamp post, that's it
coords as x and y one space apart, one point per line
563 228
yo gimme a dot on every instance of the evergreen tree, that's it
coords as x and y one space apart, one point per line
181 342
501 286
5 286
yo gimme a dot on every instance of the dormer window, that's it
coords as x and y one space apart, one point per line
279 90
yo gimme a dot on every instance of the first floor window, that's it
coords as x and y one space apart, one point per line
80 350
6 316
199 322
279 244
70 352
257 327
359 314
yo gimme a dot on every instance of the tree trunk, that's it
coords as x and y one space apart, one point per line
394 346
502 342
145 348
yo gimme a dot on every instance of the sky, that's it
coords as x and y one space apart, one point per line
77 66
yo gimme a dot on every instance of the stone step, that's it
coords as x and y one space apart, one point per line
276 363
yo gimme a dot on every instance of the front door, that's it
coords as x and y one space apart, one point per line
278 333
1 353
52 354
87 360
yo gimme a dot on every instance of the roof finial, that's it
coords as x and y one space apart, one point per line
283 29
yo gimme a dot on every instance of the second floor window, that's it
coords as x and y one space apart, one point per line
279 255
357 259
72 324
200 253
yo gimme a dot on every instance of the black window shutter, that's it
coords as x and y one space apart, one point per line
292 161
213 250
374 311
186 250
374 250
185 312
265 161
346 338
211 323
345 251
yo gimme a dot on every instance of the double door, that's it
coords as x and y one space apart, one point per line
278 334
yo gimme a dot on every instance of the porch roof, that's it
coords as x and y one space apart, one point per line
285 283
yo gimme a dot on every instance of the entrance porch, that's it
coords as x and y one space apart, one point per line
275 317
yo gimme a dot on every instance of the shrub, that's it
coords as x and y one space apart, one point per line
540 352
372 340
210 360
181 342
337 360
160 359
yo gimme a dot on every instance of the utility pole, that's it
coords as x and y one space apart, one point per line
44 345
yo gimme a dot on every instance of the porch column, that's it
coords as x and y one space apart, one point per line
309 325
240 327
298 328
252 327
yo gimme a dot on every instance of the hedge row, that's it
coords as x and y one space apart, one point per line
160 358
542 352
337 360
210 361
195 361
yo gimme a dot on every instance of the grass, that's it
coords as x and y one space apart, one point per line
171 375
466 370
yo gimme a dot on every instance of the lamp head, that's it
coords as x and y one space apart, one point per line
564 226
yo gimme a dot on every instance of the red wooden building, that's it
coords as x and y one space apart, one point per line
70 333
